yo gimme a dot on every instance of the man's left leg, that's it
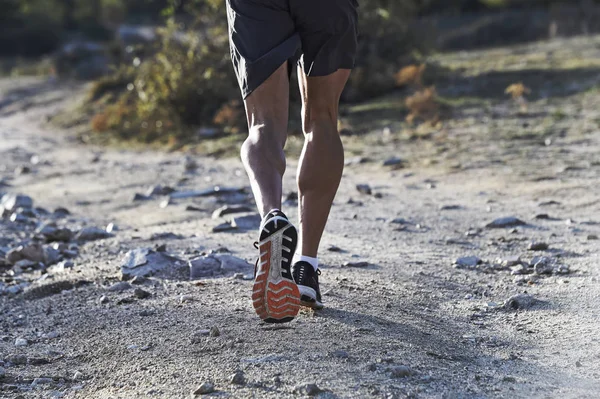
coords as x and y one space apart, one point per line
275 296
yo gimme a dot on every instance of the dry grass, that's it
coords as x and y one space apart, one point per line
411 75
423 105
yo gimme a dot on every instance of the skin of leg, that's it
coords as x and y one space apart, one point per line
322 160
262 153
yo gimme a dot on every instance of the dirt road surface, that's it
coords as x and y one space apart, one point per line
417 289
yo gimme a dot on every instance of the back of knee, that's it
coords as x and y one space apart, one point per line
320 116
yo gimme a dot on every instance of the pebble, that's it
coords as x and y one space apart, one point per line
592 237
42 381
518 270
538 246
186 298
51 335
61 212
139 280
393 161
214 331
341 354
238 378
542 265
510 261
450 207
468 261
64 266
160 190
505 222
2 372
140 197
308 389
205 388
400 372
520 302
141 294
111 227
356 264
92 234
119 287
189 164
21 342
223 227
364 189
246 222
11 202
230 209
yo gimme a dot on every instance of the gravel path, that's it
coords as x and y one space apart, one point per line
425 296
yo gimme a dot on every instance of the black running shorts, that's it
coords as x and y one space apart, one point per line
321 35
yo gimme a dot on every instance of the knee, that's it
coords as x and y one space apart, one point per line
320 116
260 145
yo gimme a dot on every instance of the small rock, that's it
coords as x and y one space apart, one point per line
104 299
192 208
214 331
61 212
51 335
364 189
42 381
230 209
165 203
2 372
92 234
592 237
205 388
11 202
111 227
538 246
510 261
140 197
521 302
394 161
186 298
141 294
518 270
542 265
139 280
189 164
64 266
308 389
223 227
450 207
51 256
334 248
246 222
505 222
468 261
400 372
119 287
160 190
146 262
340 354
18 218
21 342
237 378
401 221
356 264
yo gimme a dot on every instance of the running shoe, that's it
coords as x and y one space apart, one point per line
275 295
307 280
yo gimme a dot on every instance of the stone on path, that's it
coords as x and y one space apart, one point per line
21 342
521 302
205 388
249 221
215 265
308 389
538 246
364 189
92 234
468 261
33 252
394 162
145 262
223 227
160 190
505 222
400 372
356 264
237 378
230 209
54 234
11 202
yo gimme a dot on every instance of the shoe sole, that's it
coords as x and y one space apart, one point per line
276 298
308 298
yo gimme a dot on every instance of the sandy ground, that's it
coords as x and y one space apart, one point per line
409 323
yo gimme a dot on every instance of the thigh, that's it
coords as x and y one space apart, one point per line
329 34
267 107
321 94
262 36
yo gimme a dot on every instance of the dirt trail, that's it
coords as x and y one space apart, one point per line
410 323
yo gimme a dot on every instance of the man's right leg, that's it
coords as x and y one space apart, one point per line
319 174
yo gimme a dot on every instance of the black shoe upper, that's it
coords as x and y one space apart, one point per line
304 274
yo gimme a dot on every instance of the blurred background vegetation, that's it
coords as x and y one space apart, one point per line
161 71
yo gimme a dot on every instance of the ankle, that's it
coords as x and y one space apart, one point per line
314 262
